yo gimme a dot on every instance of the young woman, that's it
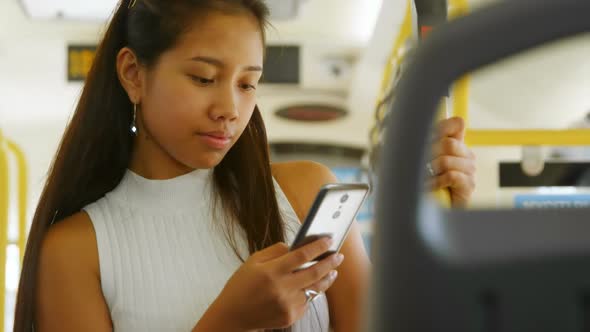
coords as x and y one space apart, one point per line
162 211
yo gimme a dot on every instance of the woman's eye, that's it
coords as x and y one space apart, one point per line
202 80
248 87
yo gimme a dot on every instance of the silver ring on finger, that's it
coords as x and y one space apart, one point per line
310 295
430 170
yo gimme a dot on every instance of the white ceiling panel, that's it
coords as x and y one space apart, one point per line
99 10
69 9
294 20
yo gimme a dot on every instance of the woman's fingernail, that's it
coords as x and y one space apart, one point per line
333 274
328 241
339 258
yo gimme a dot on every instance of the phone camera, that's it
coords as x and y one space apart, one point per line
344 198
336 215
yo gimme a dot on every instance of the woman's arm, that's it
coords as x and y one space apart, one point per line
301 181
69 294
214 319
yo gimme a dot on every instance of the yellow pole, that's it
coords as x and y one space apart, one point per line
392 62
458 8
22 196
4 202
443 196
460 96
528 137
405 33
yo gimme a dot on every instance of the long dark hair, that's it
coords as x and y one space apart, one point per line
96 147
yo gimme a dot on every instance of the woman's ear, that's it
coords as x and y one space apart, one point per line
129 72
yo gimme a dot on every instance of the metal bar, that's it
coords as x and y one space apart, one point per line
4 204
22 196
528 137
393 61
461 98
456 9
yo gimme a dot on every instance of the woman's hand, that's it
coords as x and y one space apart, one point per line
453 164
268 292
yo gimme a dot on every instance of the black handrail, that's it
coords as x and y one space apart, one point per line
416 271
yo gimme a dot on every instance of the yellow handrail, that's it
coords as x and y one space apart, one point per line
460 91
4 202
5 147
457 8
460 94
528 137
394 60
475 137
22 196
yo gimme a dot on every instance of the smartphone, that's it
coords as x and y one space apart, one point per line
331 215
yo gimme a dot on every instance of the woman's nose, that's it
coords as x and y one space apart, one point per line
225 105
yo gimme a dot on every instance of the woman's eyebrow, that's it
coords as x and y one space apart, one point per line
218 63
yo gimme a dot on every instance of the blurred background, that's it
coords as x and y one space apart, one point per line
330 76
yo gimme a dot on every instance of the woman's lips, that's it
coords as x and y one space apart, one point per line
216 141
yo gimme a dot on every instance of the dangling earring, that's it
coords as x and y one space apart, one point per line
133 125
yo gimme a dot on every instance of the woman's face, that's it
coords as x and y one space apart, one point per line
199 97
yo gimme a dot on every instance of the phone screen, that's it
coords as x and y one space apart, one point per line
331 215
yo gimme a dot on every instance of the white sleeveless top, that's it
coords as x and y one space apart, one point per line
163 257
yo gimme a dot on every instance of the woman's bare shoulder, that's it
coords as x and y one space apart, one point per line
301 181
71 243
69 279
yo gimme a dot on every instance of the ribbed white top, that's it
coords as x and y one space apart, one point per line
163 257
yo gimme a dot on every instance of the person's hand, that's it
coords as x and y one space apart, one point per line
453 164
267 291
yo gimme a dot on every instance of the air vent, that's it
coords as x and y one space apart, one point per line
311 113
